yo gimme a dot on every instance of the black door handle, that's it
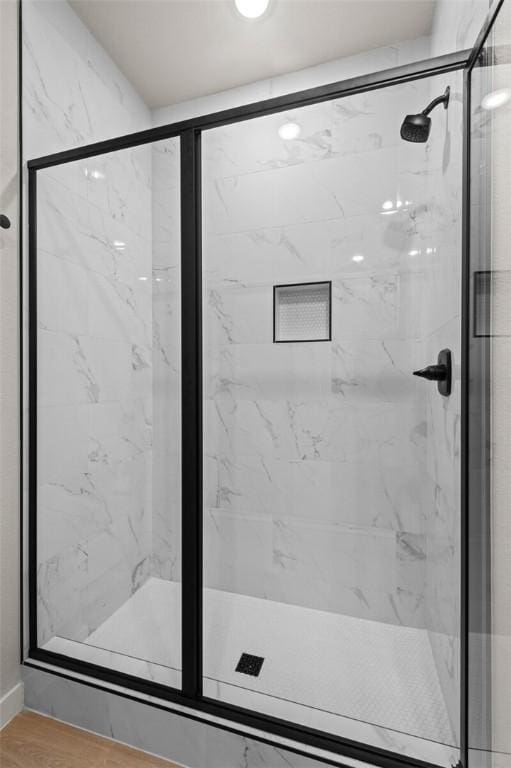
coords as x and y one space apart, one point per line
440 372
4 221
432 372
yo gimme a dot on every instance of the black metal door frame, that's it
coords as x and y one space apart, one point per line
190 696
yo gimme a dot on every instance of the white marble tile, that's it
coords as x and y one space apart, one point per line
333 189
376 370
78 369
456 25
268 371
62 301
347 493
166 368
85 100
95 350
319 558
442 329
335 128
315 430
239 315
95 328
317 249
249 538
60 581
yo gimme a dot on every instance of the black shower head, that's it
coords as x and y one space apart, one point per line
416 128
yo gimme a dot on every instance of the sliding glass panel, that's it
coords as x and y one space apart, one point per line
489 731
332 261
108 411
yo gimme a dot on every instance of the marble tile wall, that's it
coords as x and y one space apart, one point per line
94 388
456 25
94 327
73 93
228 528
442 329
166 516
315 453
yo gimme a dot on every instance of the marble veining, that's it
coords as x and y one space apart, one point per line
102 225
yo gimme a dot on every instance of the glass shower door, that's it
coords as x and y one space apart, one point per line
106 411
331 272
489 345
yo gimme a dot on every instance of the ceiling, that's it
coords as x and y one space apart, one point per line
175 50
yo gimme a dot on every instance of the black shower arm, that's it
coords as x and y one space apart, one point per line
443 99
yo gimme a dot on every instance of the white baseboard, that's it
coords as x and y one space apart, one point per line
11 704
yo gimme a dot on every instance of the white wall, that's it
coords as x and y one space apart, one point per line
11 691
341 69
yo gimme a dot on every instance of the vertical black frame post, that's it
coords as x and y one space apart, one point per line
21 286
32 414
191 398
465 367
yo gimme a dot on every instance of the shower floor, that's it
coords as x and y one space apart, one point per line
364 680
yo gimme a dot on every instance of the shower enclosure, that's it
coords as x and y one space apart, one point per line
241 498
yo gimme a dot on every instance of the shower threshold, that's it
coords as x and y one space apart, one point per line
364 680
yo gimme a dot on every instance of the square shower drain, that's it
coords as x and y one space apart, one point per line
249 664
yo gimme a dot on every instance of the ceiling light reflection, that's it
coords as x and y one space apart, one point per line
251 9
496 99
93 173
289 131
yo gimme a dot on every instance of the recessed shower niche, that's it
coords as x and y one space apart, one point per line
302 312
